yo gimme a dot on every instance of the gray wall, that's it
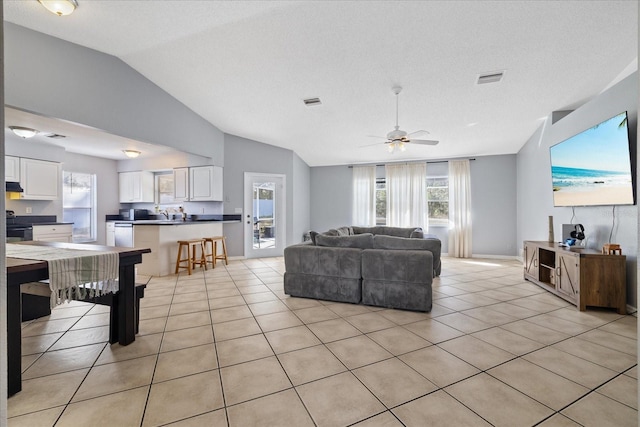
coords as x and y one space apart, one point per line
101 91
493 194
535 195
331 197
244 155
301 197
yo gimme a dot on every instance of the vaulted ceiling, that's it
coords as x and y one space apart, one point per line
247 66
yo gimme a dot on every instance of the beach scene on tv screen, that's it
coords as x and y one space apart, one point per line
593 167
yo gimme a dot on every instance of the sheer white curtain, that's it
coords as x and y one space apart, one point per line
407 195
364 196
459 209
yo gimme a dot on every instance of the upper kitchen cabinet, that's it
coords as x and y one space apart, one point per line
40 179
181 184
197 184
12 168
205 183
136 187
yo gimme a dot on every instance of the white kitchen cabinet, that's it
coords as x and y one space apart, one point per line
40 179
181 184
136 187
11 168
53 233
197 184
111 233
205 183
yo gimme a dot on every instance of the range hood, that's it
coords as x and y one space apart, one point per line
14 187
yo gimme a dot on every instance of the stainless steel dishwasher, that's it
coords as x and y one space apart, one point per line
124 235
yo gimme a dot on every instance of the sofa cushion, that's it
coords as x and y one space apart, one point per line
360 241
415 232
381 241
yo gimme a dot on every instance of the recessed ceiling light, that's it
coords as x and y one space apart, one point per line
472 124
23 132
132 154
60 7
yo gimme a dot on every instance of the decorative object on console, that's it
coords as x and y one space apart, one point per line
612 249
578 232
551 238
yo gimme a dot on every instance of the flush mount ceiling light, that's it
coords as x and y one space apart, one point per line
132 154
60 7
23 132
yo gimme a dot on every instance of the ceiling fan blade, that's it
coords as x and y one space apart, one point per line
376 136
370 145
419 133
424 141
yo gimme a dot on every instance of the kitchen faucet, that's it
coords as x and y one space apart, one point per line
165 213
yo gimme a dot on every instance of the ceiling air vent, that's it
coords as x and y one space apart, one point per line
494 77
55 136
312 101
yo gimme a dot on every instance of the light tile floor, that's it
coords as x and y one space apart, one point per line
228 347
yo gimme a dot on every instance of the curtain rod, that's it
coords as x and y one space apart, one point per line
406 163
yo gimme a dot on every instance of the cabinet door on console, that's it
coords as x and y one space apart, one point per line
568 274
531 260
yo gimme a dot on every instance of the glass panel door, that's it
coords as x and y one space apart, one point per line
264 215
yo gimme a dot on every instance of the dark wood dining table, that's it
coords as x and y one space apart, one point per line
23 271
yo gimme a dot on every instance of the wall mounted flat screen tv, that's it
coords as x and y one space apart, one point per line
593 168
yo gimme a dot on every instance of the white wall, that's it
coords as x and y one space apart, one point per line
535 195
493 194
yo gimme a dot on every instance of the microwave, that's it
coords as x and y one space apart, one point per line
133 214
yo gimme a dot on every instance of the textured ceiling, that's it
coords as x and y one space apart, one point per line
246 66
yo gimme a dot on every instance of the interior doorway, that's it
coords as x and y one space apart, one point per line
264 214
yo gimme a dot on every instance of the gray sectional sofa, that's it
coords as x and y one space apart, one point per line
382 266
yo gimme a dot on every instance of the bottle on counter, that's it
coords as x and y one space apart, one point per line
183 213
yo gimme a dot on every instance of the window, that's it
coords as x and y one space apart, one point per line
437 201
381 202
79 204
164 186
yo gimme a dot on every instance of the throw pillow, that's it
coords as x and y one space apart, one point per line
313 235
344 231
417 233
360 241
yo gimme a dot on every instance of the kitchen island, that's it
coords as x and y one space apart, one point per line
162 237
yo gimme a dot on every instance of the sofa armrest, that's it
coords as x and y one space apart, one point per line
413 266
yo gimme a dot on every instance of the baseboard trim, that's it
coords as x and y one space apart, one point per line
506 257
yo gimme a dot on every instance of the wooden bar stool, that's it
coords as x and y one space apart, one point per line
214 250
192 247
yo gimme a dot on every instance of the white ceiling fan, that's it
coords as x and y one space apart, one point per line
397 138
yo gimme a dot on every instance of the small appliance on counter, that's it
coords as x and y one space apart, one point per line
134 214
17 231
